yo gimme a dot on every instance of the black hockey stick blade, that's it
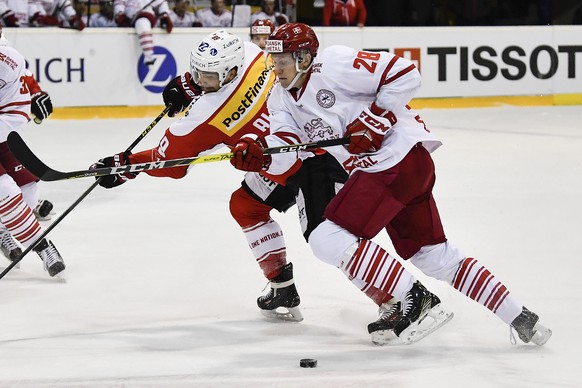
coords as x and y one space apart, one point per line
26 156
46 173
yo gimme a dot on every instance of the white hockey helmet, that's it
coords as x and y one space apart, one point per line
219 52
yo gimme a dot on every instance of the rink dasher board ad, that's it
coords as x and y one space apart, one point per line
104 67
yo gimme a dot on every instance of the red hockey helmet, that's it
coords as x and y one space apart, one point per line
292 38
262 27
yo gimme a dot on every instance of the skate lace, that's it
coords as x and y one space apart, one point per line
7 241
50 256
268 294
388 313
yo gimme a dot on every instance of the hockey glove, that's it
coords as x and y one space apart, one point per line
38 20
248 155
41 106
367 132
166 22
10 19
180 92
121 20
77 23
110 181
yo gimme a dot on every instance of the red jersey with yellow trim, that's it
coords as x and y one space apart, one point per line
217 119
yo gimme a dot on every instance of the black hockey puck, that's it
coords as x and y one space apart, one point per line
308 363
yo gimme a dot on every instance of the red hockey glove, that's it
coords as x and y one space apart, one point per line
248 155
43 20
121 20
110 181
367 132
77 22
41 106
10 19
180 92
166 22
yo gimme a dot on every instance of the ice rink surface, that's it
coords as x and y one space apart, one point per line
161 286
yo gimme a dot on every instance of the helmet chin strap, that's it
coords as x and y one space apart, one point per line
300 72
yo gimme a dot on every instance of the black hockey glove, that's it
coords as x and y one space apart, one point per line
180 92
110 181
41 106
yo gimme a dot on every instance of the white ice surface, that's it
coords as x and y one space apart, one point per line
161 286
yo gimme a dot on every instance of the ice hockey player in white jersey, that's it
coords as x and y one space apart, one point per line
14 13
363 96
18 187
143 15
46 13
215 16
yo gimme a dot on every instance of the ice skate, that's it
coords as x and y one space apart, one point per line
529 329
43 210
9 247
282 300
51 258
405 322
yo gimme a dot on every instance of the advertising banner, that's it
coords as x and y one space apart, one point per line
104 67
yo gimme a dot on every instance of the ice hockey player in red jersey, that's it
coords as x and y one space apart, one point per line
227 88
364 95
18 187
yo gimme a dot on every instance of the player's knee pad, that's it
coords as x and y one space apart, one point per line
144 22
440 261
30 194
329 243
8 188
247 210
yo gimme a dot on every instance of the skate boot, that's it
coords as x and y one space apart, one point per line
53 262
43 210
9 247
405 322
282 300
529 329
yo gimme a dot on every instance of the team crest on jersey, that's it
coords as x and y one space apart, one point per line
325 98
315 129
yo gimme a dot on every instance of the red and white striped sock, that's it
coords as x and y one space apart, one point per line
146 41
377 273
476 282
18 218
267 244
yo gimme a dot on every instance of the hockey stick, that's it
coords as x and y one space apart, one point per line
74 204
45 173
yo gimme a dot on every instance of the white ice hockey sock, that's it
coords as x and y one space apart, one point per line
476 282
268 246
18 218
374 271
146 41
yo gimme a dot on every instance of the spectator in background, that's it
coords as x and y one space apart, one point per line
268 12
260 31
215 16
182 17
103 18
142 15
344 13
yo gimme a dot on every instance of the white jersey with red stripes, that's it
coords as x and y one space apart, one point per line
343 82
14 92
